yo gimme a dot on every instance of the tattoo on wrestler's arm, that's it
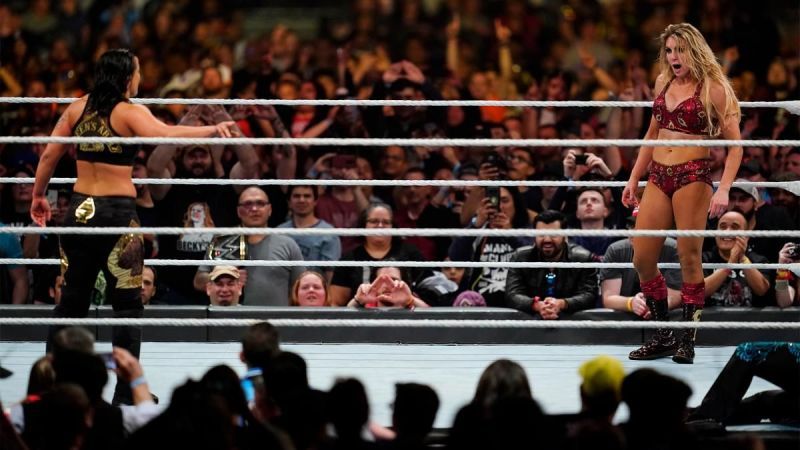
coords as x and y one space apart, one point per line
61 119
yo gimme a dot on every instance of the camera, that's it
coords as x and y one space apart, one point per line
581 159
794 252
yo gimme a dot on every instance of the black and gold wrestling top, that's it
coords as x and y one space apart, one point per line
92 124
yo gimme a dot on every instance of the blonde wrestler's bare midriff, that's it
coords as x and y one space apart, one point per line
669 156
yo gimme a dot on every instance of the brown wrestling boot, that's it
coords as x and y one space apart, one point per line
685 352
663 343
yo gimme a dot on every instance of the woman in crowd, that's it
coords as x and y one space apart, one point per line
346 280
310 289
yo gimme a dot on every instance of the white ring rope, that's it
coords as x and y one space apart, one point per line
425 232
407 323
421 264
402 142
793 186
790 105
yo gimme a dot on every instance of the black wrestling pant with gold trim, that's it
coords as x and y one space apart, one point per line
119 257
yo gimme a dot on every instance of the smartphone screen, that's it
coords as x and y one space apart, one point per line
108 359
493 194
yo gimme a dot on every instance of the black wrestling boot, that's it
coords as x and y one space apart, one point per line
129 338
663 343
685 352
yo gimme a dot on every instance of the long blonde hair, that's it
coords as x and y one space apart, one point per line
704 67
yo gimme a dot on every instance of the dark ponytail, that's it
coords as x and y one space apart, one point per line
112 73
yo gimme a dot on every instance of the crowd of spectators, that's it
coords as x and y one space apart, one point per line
273 406
504 49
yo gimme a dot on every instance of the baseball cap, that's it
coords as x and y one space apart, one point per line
219 271
751 190
602 374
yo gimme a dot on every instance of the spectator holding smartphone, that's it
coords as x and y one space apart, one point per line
492 167
580 166
501 208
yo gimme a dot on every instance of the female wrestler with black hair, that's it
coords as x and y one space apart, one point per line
104 194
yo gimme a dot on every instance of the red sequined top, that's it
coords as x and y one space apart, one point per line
688 117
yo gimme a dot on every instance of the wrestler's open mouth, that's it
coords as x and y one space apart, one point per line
676 66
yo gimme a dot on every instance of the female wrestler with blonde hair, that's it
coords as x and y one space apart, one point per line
695 101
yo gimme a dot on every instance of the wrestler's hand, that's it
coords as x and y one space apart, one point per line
40 210
226 129
629 199
719 203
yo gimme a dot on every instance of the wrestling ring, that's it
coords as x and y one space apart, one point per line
447 348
